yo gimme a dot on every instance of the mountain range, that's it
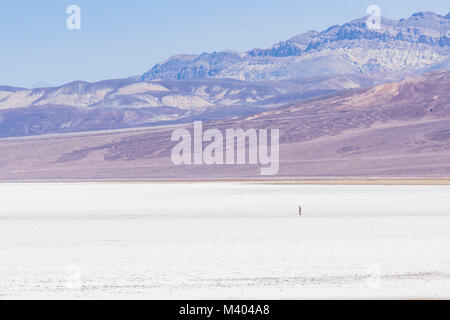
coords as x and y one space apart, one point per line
348 101
397 129
226 84
407 45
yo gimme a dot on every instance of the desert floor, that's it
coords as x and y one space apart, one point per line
224 240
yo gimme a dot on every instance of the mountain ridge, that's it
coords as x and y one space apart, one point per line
390 130
83 106
225 84
413 44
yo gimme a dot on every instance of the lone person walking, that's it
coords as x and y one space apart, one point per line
299 209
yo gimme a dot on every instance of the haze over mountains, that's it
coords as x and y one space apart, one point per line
226 84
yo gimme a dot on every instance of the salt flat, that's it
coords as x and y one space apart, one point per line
223 240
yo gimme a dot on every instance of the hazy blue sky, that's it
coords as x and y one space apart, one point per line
120 38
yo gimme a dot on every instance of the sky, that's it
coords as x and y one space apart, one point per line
121 38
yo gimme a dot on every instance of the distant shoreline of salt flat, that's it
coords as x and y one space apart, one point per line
283 181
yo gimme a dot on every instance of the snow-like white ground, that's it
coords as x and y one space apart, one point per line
223 240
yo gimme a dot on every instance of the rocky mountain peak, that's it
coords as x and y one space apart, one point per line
413 44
